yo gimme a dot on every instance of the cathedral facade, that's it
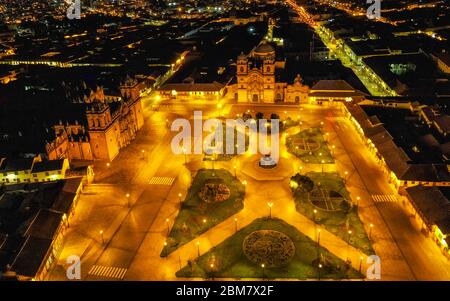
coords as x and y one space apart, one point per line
111 123
257 75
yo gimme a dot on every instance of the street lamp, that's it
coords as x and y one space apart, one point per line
185 155
346 175
235 224
320 268
198 248
360 263
315 213
323 162
235 167
348 242
357 201
168 228
270 204
108 164
370 231
128 199
179 197
263 266
101 234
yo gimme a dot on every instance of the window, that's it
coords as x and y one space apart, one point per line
47 174
34 175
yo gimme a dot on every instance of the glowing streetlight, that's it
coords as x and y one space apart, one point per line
108 164
357 201
168 227
101 234
320 268
179 198
315 214
128 199
244 183
348 242
204 221
360 263
270 204
370 231
235 224
235 167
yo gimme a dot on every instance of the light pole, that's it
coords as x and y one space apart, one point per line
179 197
101 234
185 155
320 268
323 162
235 224
168 228
370 231
315 213
263 266
128 199
198 248
346 176
348 243
357 201
143 154
270 204
235 175
360 263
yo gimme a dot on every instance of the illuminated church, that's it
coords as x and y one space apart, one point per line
257 75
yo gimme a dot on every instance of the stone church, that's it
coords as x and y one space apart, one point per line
111 123
256 76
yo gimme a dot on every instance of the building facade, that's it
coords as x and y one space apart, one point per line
256 76
111 123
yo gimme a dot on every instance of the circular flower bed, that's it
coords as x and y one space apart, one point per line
271 248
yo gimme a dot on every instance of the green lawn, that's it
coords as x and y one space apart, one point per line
310 146
337 222
197 216
229 261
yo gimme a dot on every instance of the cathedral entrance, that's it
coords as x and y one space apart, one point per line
255 98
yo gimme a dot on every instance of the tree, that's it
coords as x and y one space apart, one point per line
345 206
274 116
246 116
302 183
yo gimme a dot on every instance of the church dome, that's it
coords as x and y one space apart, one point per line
264 49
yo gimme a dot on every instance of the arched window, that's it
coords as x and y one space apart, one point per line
268 69
242 69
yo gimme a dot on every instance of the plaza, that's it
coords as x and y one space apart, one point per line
135 201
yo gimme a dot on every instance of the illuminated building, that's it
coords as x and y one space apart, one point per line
112 123
257 79
27 170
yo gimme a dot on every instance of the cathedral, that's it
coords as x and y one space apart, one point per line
257 78
111 123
